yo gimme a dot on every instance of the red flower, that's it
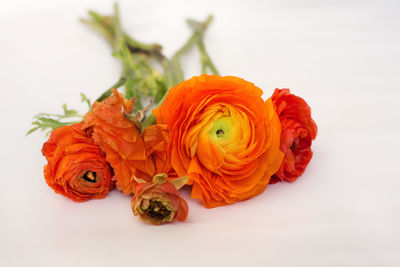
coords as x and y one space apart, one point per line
298 131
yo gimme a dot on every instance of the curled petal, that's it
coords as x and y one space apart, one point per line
121 141
158 203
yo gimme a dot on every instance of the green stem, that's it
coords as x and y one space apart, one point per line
117 25
172 68
121 81
153 50
176 58
133 54
206 61
101 29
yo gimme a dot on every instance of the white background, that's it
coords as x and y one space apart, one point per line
341 56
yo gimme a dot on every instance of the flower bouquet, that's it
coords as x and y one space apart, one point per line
213 134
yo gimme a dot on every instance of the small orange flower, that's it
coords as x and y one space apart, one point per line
298 131
76 166
159 202
129 153
223 136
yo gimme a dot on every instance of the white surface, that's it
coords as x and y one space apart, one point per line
341 56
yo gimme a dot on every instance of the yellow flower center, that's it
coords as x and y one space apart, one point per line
90 176
223 134
221 128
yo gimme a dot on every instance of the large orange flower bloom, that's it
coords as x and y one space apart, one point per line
76 166
298 131
223 136
129 153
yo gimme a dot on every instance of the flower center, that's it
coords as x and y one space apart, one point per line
157 210
221 128
90 176
295 143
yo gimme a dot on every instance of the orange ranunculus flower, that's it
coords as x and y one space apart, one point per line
129 153
158 202
76 166
223 136
298 131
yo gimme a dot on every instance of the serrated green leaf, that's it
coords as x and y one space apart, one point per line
47 122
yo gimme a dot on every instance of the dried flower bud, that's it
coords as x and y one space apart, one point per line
159 202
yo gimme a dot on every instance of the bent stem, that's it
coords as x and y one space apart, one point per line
138 76
197 37
121 82
132 53
173 68
206 61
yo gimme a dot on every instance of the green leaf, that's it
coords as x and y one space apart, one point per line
84 98
68 113
47 122
32 130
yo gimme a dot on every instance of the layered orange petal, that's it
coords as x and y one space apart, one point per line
130 153
76 167
223 136
120 140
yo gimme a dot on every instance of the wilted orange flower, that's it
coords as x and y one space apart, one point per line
298 131
129 153
223 136
159 202
76 166
156 139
